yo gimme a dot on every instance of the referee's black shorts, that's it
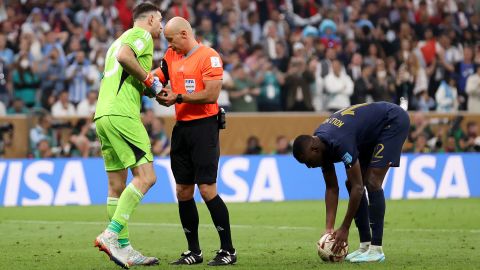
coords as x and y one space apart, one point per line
195 151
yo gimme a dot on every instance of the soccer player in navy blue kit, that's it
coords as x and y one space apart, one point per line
368 139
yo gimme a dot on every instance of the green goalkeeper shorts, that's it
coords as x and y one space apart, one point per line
125 142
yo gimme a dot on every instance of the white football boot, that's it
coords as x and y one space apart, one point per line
107 242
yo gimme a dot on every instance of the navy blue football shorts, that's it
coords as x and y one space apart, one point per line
388 148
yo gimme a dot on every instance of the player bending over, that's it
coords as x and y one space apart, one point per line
368 139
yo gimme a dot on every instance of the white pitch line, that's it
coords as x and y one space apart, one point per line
237 226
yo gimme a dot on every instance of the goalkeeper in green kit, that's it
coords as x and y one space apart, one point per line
125 142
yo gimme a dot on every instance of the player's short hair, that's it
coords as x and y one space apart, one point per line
300 145
143 8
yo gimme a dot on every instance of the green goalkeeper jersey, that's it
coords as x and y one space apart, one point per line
120 93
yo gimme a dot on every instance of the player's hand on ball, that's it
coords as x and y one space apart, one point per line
327 231
341 239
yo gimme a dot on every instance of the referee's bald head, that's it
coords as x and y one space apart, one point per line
179 34
177 25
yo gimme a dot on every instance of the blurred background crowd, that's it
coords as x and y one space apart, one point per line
279 55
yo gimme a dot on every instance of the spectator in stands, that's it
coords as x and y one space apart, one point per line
423 102
107 12
208 33
6 54
301 13
383 83
473 90
101 39
411 80
82 138
338 87
282 146
18 107
159 138
253 27
253 146
87 106
3 110
43 149
80 77
446 96
420 144
363 86
25 81
52 73
318 100
244 94
183 9
472 143
456 131
281 54
42 131
269 79
5 83
278 19
419 125
54 40
59 18
35 23
450 146
270 40
63 107
227 86
297 86
354 69
463 70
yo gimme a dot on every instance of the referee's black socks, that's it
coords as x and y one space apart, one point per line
189 218
219 212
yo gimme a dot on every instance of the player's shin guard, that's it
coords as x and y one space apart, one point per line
127 203
377 214
189 218
362 220
123 235
219 212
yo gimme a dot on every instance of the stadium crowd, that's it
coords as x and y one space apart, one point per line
279 55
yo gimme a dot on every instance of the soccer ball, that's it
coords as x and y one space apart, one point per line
324 248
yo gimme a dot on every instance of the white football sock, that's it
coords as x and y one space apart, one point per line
364 245
376 248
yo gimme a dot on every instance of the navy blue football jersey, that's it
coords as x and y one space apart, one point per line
364 128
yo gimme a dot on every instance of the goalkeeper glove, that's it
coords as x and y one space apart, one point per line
153 85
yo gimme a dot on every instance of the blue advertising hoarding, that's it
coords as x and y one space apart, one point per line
27 182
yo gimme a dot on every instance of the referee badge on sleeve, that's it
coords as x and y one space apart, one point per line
215 62
190 85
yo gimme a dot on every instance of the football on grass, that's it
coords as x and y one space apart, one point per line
324 248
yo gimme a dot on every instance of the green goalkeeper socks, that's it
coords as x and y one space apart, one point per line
127 203
123 235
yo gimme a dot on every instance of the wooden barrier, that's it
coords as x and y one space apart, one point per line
233 140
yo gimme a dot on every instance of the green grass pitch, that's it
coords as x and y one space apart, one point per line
419 234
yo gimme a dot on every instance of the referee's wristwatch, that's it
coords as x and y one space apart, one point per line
179 99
